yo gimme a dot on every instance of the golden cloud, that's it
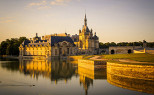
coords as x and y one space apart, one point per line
44 4
6 19
59 2
38 4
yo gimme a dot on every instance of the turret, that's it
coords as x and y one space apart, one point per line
36 35
85 21
79 31
144 44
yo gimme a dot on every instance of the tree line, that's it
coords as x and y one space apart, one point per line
107 45
11 46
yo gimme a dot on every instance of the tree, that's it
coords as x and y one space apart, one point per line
3 47
11 46
107 45
21 39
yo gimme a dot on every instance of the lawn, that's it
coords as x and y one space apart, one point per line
136 57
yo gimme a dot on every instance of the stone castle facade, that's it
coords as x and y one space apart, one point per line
86 42
56 45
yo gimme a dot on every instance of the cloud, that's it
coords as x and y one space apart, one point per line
60 2
45 4
39 5
6 19
43 7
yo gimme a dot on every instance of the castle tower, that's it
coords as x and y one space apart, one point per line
144 44
87 43
85 21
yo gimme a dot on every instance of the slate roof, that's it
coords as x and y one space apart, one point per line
57 39
27 42
95 37
53 40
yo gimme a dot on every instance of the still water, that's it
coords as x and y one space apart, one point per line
39 77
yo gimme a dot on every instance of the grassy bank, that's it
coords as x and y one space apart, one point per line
136 57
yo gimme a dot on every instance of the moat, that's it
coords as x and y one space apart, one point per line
44 77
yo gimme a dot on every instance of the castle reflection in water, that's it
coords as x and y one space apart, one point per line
64 70
60 70
54 70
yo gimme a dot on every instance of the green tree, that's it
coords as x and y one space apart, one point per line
11 46
3 47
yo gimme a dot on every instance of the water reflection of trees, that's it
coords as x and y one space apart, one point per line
10 65
55 70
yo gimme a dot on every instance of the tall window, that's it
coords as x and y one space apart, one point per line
80 44
70 50
67 50
60 51
55 51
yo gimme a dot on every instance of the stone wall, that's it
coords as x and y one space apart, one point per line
92 65
145 72
75 58
133 77
131 83
122 49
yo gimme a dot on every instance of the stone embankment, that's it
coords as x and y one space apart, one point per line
141 85
91 64
74 58
145 72
133 77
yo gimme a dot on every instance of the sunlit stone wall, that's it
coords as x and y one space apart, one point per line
75 57
133 77
91 64
145 72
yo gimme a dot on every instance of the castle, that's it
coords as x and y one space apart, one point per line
86 42
57 45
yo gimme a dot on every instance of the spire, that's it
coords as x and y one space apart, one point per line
85 21
36 34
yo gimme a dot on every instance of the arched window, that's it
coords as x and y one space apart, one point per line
80 44
129 51
60 51
68 51
55 51
64 43
112 51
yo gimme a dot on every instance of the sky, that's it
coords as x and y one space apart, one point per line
112 20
